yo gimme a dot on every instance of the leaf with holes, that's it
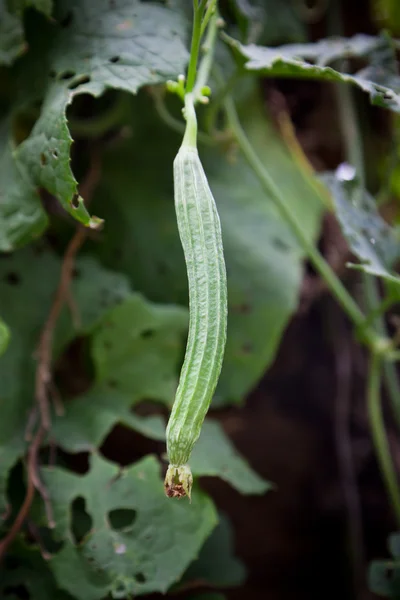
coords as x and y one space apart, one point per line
138 541
136 351
216 565
264 261
92 47
21 278
311 61
373 241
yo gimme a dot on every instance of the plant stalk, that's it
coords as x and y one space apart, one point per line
336 287
378 433
195 47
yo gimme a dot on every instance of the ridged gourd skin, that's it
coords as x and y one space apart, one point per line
200 233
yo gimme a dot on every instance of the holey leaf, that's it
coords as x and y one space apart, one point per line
136 350
314 61
89 47
139 541
371 239
28 280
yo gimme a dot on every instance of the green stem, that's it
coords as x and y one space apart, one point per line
195 47
378 432
208 55
389 368
334 283
209 12
190 137
176 124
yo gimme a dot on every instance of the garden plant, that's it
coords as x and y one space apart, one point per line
157 220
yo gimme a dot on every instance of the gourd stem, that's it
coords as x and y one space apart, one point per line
379 437
335 285
190 137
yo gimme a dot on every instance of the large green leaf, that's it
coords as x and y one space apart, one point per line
311 61
93 47
264 261
373 241
136 351
139 542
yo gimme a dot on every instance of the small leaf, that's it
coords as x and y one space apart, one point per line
214 455
373 241
311 61
146 556
216 565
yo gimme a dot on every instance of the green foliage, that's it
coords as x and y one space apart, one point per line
145 552
311 61
90 48
69 71
373 241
